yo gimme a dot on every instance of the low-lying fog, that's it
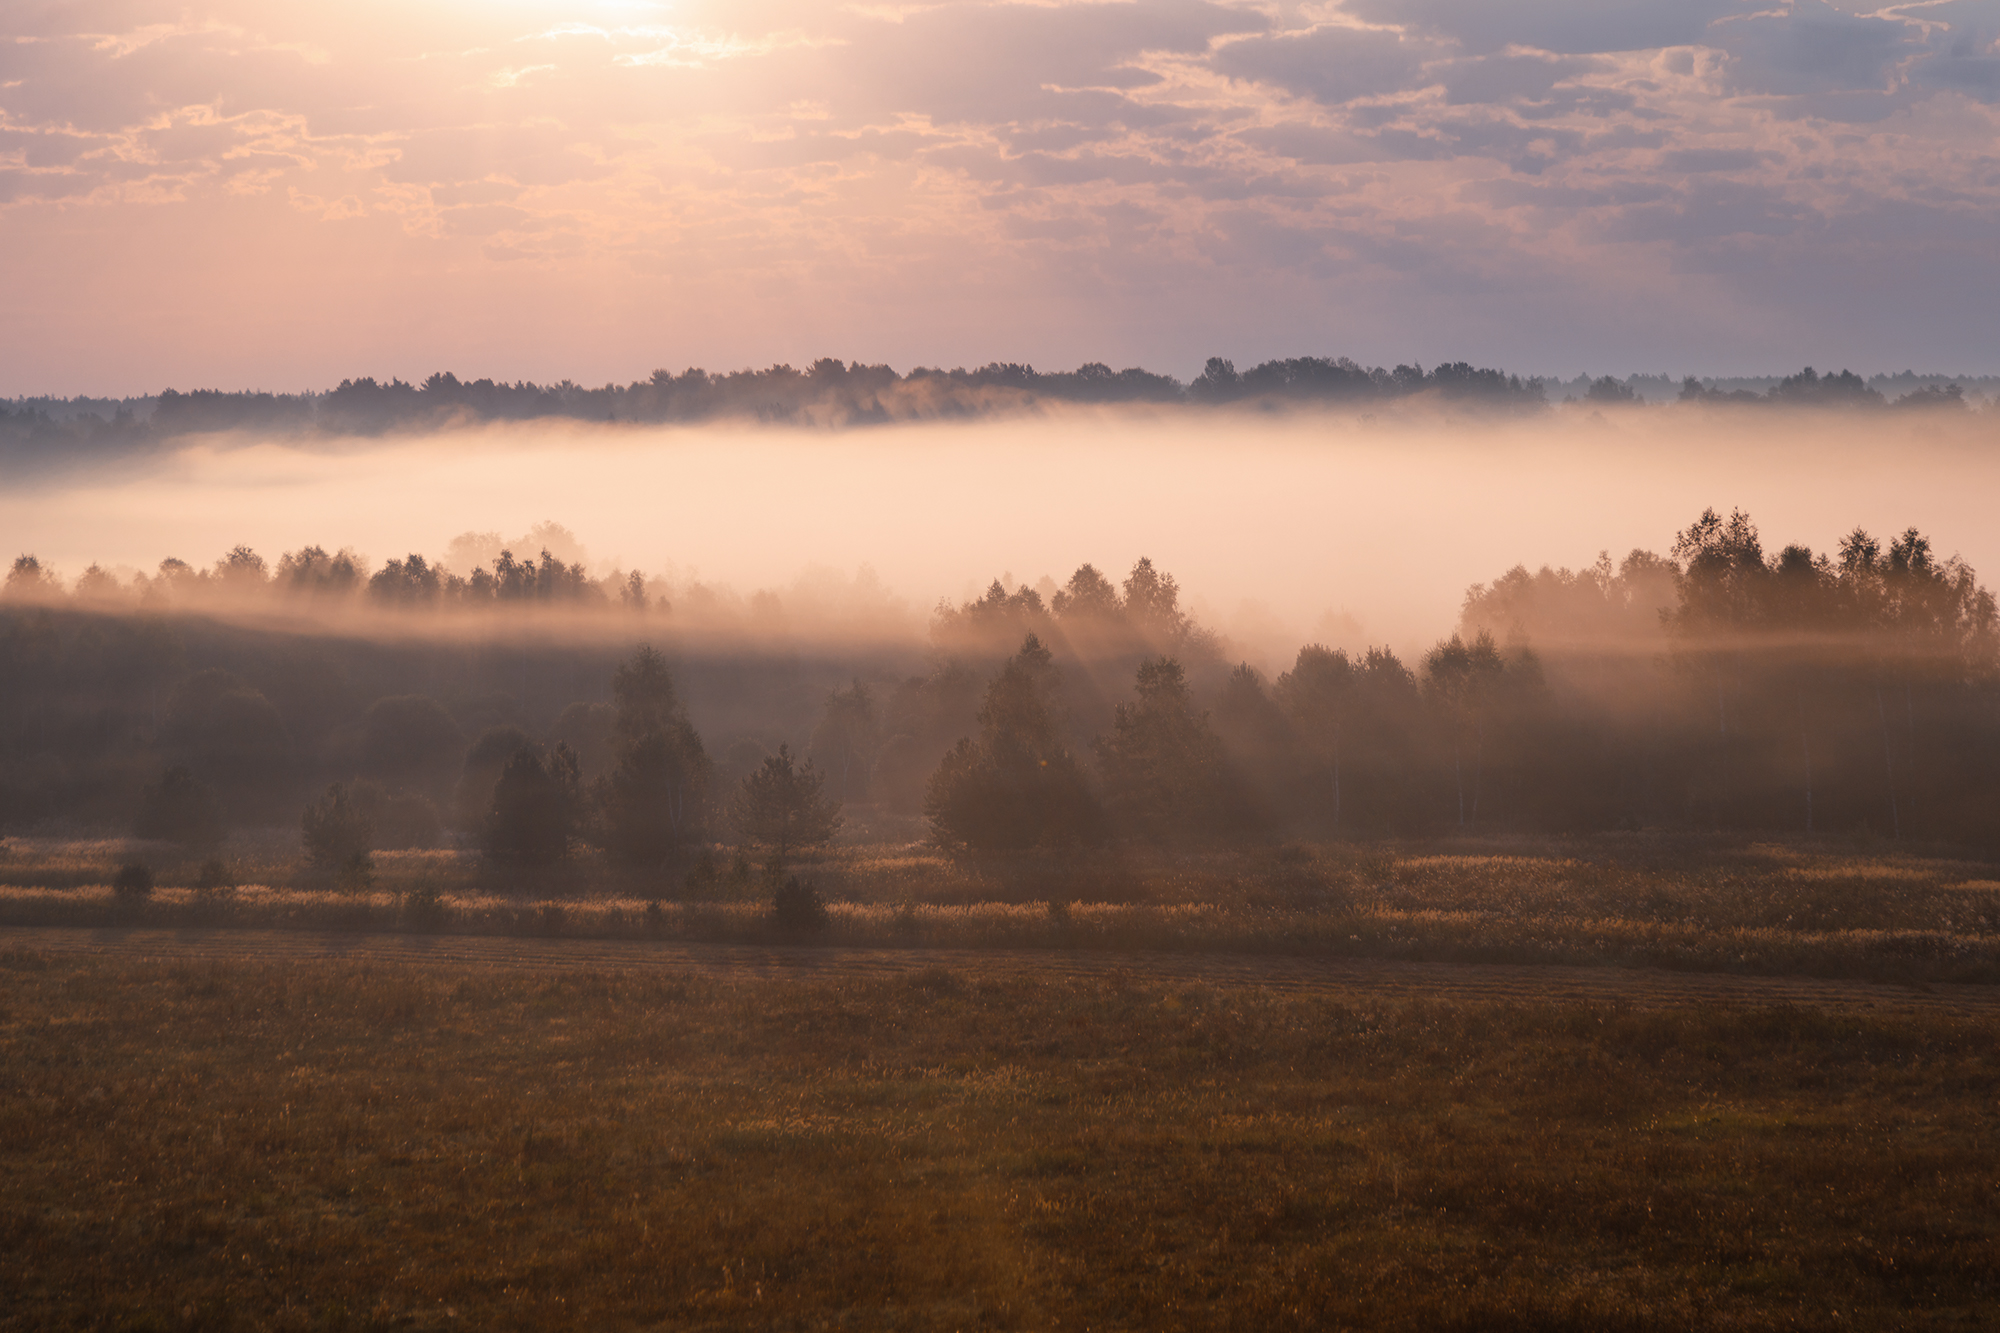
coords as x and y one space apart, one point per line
1279 528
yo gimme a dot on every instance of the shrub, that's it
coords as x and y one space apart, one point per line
214 876
133 883
423 907
798 909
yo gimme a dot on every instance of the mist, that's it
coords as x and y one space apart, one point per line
1281 527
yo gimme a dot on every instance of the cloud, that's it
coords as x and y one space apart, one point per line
1811 47
1329 64
1511 78
1714 159
1564 27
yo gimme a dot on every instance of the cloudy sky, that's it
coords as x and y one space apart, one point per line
279 194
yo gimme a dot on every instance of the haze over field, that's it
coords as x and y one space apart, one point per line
1275 525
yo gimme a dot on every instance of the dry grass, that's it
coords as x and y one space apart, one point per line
323 1146
1686 903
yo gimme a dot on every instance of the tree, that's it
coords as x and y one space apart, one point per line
337 833
1018 785
484 761
642 690
179 808
1460 682
784 806
410 739
1319 695
409 582
242 571
846 740
655 800
590 730
1261 746
1217 383
313 572
1164 775
228 734
533 814
399 818
1087 596
1152 603
28 581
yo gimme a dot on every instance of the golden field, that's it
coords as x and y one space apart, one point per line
320 1145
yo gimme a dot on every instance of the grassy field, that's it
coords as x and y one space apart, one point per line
325 1146
1820 909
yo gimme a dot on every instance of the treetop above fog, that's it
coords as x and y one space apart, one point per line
830 393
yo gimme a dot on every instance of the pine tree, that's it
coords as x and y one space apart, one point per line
1018 785
656 798
784 806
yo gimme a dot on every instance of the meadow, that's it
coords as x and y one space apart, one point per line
1832 908
322 1146
195 1136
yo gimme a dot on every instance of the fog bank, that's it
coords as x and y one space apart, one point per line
1280 528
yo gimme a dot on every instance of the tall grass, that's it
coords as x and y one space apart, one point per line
1660 902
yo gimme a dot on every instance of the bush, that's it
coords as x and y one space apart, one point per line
424 907
133 883
214 876
798 909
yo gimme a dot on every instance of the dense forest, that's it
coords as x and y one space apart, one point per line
1717 686
830 392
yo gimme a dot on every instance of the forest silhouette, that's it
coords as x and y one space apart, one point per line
1717 686
830 392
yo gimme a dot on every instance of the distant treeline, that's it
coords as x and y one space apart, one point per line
831 392
313 579
1718 686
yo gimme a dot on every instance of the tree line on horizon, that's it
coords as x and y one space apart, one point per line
315 579
830 392
1718 686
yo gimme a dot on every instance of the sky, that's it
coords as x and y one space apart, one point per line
253 194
